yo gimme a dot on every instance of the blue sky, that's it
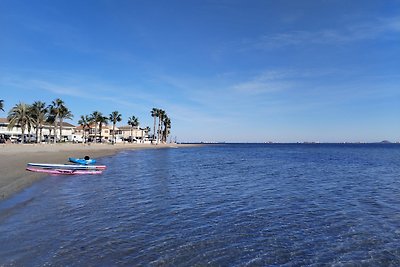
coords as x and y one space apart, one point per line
235 71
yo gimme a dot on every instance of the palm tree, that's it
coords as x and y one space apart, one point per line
65 113
85 123
19 115
60 111
145 130
29 127
154 113
114 117
94 118
133 122
1 104
167 127
102 120
51 121
161 115
38 112
54 109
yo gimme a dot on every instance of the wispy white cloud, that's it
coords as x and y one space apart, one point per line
351 33
77 88
259 87
265 82
57 88
127 98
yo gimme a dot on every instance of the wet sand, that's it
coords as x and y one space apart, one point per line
14 157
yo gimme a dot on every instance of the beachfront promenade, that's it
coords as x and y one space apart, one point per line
14 157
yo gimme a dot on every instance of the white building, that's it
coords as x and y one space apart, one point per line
71 133
15 134
134 134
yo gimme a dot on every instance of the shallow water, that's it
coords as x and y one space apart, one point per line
226 205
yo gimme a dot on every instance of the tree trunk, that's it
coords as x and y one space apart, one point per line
40 134
61 122
113 135
29 134
48 137
158 129
84 135
165 134
37 133
95 132
23 133
55 130
154 130
100 130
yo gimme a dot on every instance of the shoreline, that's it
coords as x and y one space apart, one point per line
14 157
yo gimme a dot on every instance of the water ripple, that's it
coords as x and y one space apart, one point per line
233 205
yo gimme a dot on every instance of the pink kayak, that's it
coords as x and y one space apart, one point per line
63 171
66 166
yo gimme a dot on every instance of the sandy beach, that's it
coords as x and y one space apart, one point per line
14 157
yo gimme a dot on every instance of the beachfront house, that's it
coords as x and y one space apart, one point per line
80 135
92 132
15 134
67 131
118 135
6 134
133 134
72 133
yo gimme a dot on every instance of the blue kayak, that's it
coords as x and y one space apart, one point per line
82 161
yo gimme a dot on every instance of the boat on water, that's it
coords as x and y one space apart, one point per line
83 161
64 171
67 166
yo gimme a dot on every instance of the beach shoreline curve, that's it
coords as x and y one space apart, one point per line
14 157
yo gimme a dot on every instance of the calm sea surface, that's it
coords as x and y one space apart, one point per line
224 205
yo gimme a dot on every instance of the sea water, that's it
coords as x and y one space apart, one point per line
223 205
